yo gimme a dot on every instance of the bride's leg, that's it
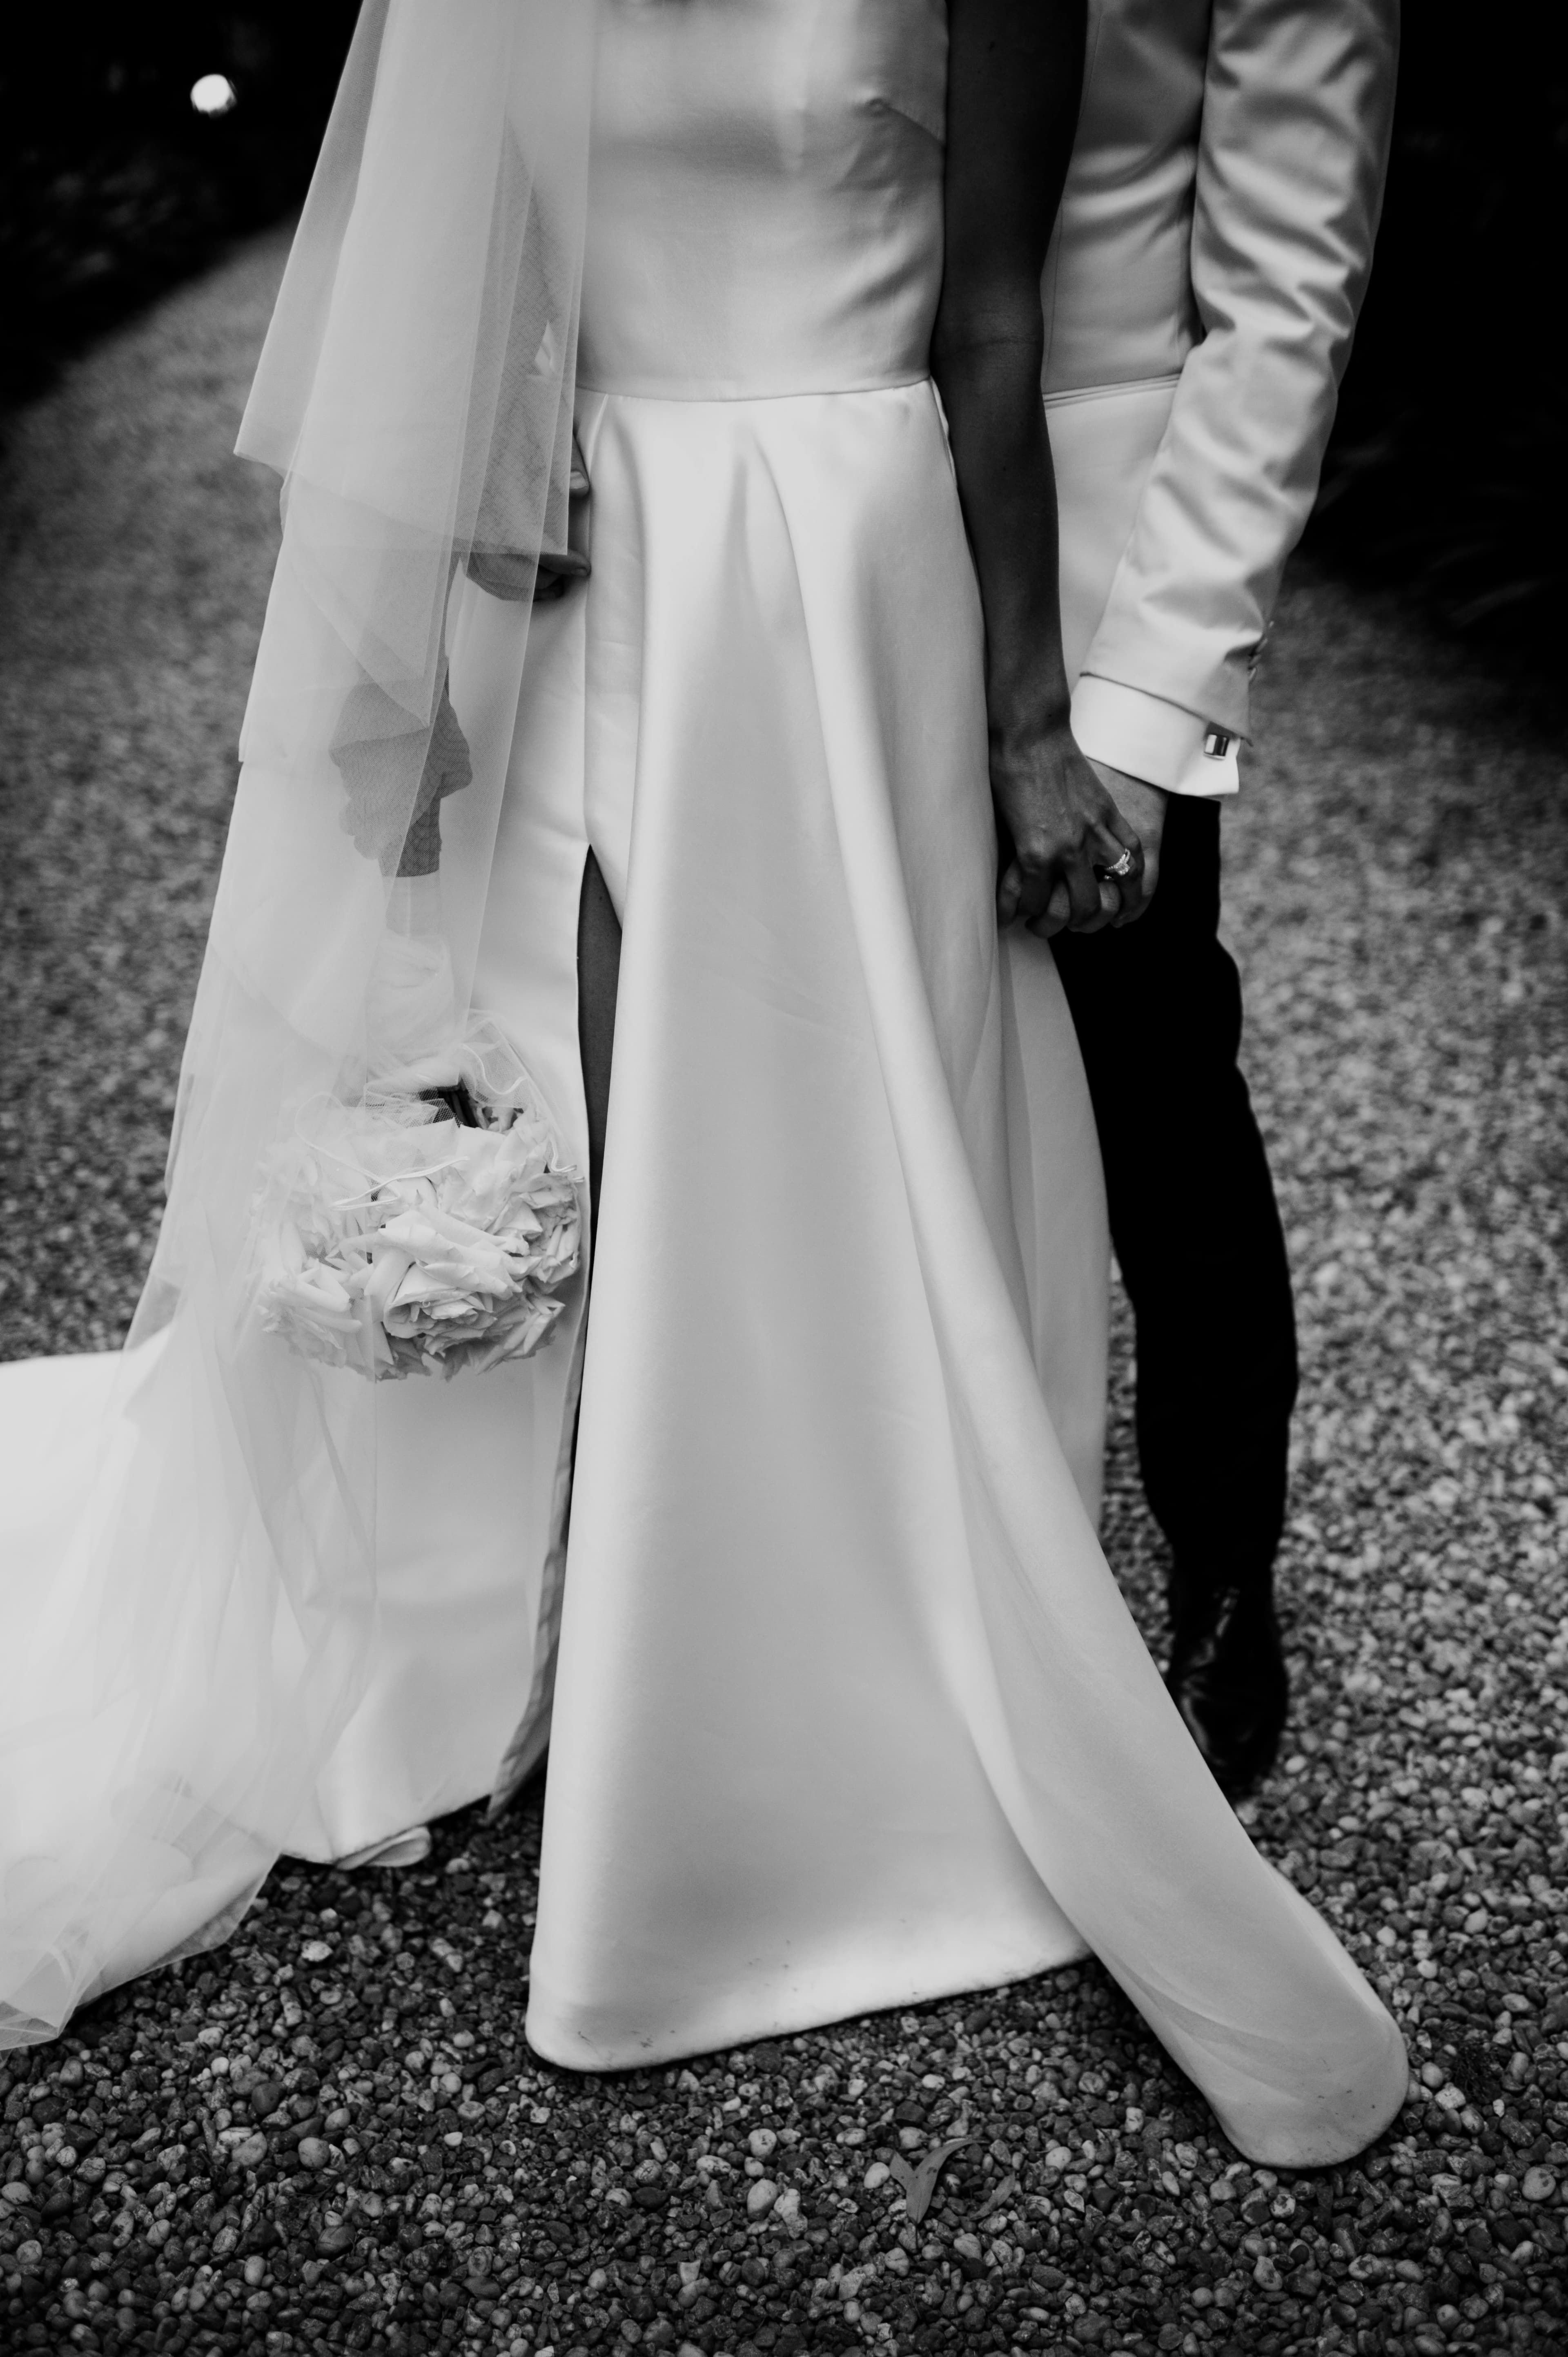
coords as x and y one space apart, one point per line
598 974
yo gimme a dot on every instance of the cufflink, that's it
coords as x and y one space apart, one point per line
1217 743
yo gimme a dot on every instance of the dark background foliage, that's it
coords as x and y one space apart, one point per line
1447 472
1446 475
113 187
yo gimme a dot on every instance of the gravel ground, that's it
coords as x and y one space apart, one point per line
330 2134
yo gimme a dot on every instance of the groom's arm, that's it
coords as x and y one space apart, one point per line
1296 112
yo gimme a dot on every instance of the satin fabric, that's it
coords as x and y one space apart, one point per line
844 1708
848 1709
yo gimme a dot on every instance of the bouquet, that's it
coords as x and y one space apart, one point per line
431 1226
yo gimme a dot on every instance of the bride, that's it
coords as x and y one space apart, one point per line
787 1552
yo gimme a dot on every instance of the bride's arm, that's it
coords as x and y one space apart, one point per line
1015 73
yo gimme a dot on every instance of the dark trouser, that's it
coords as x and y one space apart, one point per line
1158 1010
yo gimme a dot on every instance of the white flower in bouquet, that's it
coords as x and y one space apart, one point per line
431 1227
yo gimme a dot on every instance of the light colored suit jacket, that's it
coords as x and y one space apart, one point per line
1213 247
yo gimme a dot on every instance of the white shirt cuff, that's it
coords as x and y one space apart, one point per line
1150 738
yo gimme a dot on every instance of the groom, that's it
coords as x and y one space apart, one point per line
1211 252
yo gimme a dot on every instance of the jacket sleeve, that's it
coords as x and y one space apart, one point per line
1293 151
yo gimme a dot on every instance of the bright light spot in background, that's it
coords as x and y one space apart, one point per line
213 94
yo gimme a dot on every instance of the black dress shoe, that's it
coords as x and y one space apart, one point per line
1227 1677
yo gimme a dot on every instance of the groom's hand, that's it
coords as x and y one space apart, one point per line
1145 807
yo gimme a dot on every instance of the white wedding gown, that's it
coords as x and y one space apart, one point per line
845 1709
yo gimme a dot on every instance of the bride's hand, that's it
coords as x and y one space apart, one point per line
1058 830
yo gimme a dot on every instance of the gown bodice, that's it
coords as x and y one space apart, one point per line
765 197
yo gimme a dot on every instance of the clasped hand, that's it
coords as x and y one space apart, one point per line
1059 829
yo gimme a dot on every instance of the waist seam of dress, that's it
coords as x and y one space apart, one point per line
1165 382
796 393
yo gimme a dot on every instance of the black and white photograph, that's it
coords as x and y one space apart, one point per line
784 1153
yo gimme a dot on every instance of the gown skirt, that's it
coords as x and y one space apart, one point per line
849 1711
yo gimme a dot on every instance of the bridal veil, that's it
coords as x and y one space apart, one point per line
172 1690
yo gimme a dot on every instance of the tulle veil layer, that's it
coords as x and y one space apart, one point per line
415 395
